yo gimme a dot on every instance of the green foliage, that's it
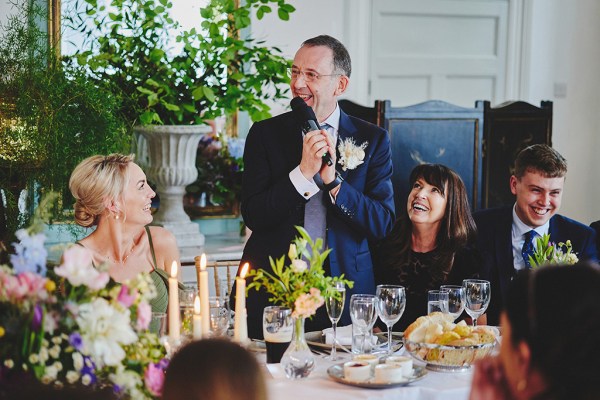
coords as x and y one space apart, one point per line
288 282
547 253
214 71
51 115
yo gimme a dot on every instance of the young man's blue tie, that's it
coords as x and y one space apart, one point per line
528 247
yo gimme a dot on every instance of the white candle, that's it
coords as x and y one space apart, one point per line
197 321
174 325
204 305
240 328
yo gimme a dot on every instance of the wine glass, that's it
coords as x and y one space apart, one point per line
478 297
335 306
363 315
391 300
456 299
437 300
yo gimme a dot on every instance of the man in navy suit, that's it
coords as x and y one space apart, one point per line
538 183
280 167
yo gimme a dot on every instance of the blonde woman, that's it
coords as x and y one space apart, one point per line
111 194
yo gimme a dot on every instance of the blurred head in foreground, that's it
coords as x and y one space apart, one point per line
215 369
550 333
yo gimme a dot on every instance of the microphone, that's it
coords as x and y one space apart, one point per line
308 121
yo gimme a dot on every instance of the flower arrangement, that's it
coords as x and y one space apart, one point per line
71 325
302 285
548 252
351 155
220 165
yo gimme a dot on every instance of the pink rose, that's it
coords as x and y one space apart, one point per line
125 298
144 315
154 377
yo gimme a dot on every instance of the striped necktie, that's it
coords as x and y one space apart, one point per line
528 248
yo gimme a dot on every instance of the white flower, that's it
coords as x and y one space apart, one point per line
44 354
126 379
86 379
292 252
72 377
54 351
77 268
351 155
299 266
34 358
77 361
9 363
104 330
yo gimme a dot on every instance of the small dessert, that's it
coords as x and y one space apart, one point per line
385 373
405 363
357 371
373 360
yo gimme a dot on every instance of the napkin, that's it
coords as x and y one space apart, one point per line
343 335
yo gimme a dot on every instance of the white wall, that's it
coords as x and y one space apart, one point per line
563 50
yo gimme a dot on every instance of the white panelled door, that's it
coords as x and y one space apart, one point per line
458 51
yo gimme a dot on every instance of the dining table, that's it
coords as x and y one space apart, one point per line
319 385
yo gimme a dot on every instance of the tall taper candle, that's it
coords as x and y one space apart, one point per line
240 328
197 320
204 305
174 324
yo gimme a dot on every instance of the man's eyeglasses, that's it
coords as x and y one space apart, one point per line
309 76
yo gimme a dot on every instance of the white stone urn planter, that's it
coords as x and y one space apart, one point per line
171 165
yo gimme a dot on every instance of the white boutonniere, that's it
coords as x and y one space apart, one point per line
351 155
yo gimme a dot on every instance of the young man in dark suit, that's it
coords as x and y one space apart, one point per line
503 233
282 167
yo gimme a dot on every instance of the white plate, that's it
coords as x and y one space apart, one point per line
336 372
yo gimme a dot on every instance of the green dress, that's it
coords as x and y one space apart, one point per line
161 281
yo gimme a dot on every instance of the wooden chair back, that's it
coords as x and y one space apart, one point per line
219 270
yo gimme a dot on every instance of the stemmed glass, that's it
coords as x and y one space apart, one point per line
456 299
478 297
363 315
391 300
335 306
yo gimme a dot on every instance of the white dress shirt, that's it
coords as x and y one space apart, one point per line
308 188
518 231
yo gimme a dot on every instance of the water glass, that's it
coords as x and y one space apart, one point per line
456 299
478 294
186 308
363 315
391 301
158 324
437 300
219 316
278 326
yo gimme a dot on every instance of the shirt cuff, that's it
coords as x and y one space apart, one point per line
306 188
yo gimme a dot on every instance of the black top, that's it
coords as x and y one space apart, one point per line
423 272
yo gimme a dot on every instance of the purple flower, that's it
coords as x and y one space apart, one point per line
164 363
38 314
30 254
76 341
88 369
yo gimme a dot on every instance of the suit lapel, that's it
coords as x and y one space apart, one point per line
293 138
504 255
346 130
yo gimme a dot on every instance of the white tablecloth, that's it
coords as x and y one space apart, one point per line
435 385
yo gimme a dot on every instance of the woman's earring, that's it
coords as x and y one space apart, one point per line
116 216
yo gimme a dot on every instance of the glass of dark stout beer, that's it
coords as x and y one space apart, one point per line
278 327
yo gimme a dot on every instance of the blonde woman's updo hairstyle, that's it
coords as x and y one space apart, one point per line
96 181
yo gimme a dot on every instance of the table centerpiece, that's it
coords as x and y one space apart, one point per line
301 286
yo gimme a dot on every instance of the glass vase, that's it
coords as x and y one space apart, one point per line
298 361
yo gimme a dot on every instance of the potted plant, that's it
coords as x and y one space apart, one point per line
51 116
213 71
